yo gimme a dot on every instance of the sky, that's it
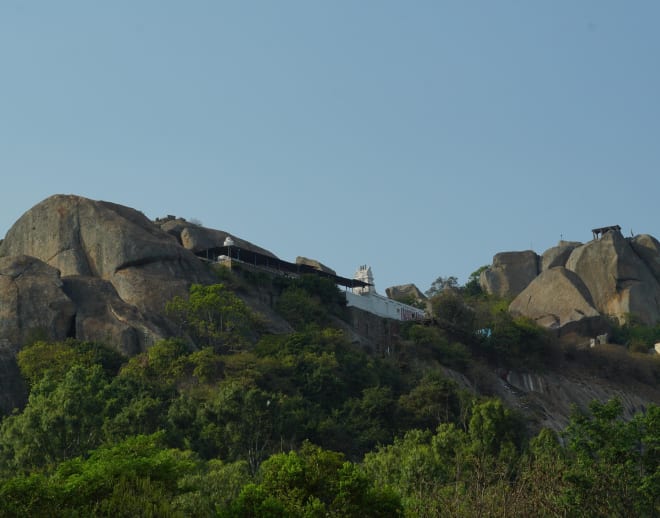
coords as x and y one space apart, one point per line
417 137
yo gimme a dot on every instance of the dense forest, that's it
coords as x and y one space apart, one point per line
230 420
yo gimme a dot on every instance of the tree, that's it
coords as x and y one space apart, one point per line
213 316
301 309
239 421
61 420
472 287
314 482
441 284
434 400
453 315
614 464
56 358
454 472
412 468
205 492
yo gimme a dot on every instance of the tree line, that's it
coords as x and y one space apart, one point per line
228 420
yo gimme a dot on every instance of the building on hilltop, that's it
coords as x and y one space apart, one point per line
360 290
365 297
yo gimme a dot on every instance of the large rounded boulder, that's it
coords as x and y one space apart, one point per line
510 273
83 237
558 255
648 249
618 280
555 298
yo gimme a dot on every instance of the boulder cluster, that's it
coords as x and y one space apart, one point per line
578 287
97 271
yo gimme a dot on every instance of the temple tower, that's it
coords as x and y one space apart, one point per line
364 274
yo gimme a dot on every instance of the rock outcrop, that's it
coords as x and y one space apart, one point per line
648 249
551 397
555 298
612 276
558 255
90 238
97 271
406 293
619 281
510 273
101 315
196 238
32 302
315 264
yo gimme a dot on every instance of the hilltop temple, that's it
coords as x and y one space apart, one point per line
365 297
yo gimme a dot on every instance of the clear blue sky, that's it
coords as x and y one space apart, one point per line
418 137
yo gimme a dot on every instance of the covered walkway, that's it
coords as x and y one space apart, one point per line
273 264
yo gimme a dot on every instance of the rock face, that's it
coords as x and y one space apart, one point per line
406 293
558 255
552 396
611 276
103 316
618 280
315 264
555 298
89 238
648 249
510 273
98 271
33 301
196 238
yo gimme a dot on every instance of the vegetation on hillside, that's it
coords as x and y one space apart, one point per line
228 420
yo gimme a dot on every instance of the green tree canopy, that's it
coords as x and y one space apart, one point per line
314 482
214 316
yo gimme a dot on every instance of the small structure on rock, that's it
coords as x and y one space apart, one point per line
599 232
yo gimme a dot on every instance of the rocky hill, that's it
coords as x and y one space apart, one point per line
101 272
575 288
93 270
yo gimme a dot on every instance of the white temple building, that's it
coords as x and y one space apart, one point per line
367 299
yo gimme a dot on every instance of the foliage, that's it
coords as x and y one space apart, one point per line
236 422
309 299
163 363
615 466
472 287
518 342
433 401
300 309
453 472
441 284
61 420
453 354
314 482
213 316
56 358
635 335
453 314
325 289
204 492
137 477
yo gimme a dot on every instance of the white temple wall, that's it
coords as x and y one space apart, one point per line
383 307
